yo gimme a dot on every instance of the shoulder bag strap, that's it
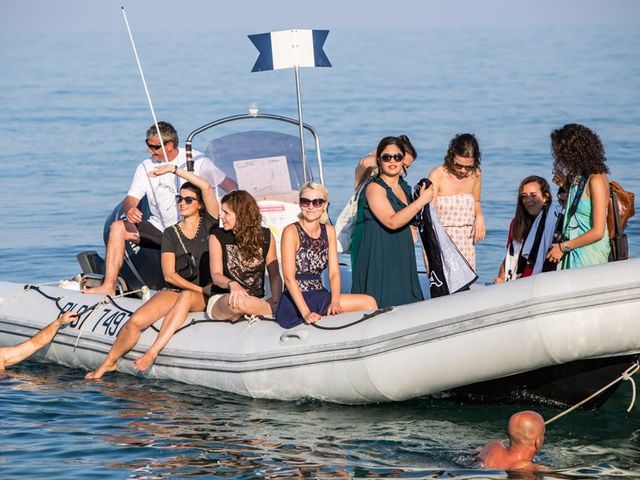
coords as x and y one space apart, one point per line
175 229
574 205
616 211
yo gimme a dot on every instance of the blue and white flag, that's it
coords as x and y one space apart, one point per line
290 48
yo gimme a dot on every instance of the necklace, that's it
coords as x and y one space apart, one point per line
197 230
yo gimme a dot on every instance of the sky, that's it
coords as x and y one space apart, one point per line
270 15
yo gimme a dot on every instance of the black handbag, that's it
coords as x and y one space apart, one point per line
620 247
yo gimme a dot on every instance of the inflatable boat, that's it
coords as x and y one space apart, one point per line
436 345
553 337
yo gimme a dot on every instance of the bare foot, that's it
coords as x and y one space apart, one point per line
102 289
145 361
102 369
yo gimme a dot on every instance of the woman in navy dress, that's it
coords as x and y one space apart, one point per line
308 248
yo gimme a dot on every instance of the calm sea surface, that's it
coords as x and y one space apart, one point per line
73 112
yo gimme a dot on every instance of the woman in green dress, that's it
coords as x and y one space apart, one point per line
579 158
385 262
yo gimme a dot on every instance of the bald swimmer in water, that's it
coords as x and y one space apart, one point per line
12 355
526 436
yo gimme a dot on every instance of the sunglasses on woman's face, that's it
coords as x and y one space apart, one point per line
187 200
396 157
316 202
466 168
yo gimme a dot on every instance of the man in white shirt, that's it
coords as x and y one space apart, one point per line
160 192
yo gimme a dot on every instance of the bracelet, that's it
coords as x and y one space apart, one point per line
175 169
229 284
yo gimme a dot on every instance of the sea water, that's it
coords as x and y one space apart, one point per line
73 114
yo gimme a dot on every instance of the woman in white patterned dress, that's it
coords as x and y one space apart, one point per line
457 186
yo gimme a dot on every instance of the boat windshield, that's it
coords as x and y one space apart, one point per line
267 164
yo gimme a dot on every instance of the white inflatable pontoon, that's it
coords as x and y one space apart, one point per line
406 352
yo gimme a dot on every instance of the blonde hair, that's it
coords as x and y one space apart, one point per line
318 187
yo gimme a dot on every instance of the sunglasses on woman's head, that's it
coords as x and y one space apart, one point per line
396 157
316 202
187 200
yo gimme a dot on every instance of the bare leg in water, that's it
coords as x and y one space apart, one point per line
188 301
141 319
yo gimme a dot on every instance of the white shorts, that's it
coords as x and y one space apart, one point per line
212 301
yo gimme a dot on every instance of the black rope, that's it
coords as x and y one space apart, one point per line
366 316
86 312
118 306
90 309
56 300
228 320
37 289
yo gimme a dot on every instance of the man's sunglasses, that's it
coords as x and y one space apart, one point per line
153 147
187 200
316 202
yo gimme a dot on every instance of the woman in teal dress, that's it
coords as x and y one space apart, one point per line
383 250
578 154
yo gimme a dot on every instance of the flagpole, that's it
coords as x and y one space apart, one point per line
300 125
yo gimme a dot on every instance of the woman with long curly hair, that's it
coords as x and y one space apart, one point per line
457 185
579 160
531 230
239 252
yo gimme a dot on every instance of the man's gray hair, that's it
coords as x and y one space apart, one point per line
167 131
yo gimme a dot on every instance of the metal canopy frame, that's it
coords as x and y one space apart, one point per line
265 116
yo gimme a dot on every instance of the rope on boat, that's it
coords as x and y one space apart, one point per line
366 316
36 288
144 289
111 299
107 299
89 311
93 309
626 375
250 320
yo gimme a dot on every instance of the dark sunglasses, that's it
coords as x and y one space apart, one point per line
396 157
187 200
153 147
316 202
466 168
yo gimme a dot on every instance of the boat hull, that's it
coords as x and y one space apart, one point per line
555 386
413 350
